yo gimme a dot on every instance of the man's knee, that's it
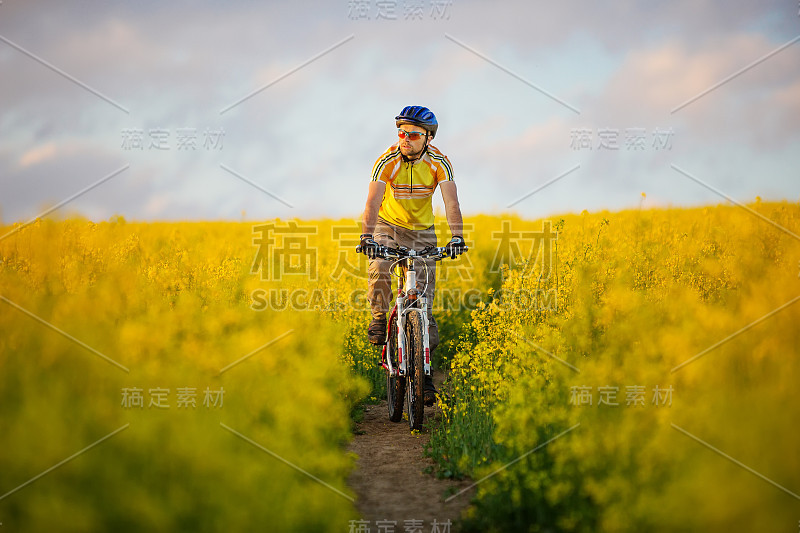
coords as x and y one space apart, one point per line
378 274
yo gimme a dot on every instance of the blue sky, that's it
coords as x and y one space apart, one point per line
309 138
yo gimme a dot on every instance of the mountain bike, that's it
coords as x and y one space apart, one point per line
406 355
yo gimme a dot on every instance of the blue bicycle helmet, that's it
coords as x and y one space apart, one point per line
418 116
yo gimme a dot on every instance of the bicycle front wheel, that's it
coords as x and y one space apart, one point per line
395 385
415 399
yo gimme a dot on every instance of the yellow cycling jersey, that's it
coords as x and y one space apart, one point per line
408 199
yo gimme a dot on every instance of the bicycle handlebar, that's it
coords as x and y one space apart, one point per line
432 252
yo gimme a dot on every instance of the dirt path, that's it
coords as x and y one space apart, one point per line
389 479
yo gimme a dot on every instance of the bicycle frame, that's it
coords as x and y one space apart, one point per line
407 300
406 296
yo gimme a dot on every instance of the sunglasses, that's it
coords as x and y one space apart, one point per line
412 135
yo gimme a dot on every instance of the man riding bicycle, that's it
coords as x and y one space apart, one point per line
402 215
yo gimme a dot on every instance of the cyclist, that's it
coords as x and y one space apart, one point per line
399 211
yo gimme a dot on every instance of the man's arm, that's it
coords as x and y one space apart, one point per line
374 199
452 208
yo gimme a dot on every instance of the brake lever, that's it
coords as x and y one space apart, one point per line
427 250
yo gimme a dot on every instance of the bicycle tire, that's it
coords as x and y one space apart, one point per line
395 385
416 370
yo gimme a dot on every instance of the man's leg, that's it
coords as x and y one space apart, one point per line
379 287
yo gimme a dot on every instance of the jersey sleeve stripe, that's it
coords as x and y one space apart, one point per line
445 163
381 163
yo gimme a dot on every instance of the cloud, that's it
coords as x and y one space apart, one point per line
788 100
38 155
313 136
751 107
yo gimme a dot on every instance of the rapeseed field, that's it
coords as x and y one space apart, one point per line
607 372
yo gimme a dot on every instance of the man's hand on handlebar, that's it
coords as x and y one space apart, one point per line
455 247
368 246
